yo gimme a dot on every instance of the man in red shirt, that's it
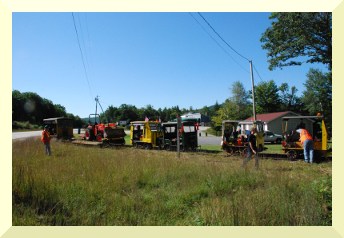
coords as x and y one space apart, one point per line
46 140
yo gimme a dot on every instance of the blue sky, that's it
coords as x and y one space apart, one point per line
161 59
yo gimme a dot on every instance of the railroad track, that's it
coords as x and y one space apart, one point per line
264 155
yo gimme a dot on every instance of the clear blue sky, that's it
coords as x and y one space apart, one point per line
161 59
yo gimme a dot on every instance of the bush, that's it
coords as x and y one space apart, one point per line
24 125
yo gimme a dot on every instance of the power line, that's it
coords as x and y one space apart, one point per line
89 44
226 44
82 55
218 43
257 73
222 38
83 44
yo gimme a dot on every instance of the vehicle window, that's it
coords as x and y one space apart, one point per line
189 129
170 129
153 126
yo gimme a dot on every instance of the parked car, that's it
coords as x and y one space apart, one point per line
272 138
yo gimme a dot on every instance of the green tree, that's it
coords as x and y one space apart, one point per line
240 98
77 121
162 114
210 111
295 35
226 112
30 107
128 113
17 106
289 100
205 111
60 110
267 97
318 94
175 111
239 94
111 114
216 106
149 112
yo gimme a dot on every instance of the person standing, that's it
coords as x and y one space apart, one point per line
308 146
252 148
46 140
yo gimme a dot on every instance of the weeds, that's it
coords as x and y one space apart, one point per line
126 186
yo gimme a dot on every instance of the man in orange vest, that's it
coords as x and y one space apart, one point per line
307 142
46 140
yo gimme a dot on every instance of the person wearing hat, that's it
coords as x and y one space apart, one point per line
46 140
252 148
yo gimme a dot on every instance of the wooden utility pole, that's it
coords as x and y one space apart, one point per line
253 101
95 115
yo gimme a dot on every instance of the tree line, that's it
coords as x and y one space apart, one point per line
129 113
31 108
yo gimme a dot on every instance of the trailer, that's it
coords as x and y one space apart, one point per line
293 147
188 139
107 133
61 127
259 125
233 141
146 134
234 137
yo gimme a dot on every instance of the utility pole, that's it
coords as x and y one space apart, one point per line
95 115
253 101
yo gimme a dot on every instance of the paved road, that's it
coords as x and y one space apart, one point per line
202 138
206 139
28 134
209 140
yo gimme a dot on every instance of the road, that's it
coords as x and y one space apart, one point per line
25 134
203 139
28 134
206 139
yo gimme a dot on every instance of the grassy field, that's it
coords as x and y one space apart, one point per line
80 185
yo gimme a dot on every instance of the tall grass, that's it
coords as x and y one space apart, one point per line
125 186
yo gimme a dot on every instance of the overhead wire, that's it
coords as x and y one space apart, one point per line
82 56
89 44
254 67
205 20
203 28
83 43
222 38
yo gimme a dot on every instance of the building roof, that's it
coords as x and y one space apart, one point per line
56 118
267 117
192 114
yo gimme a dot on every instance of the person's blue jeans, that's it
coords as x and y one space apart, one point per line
308 151
47 149
249 157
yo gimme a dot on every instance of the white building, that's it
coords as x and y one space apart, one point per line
196 115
